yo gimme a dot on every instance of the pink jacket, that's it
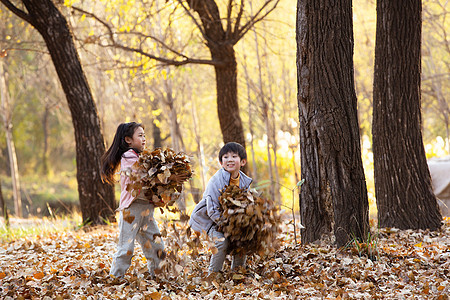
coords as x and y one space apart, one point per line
128 159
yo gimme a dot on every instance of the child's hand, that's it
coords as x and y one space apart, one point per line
179 179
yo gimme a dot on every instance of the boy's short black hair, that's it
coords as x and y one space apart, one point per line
233 147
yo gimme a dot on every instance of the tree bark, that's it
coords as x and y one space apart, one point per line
403 188
96 198
334 194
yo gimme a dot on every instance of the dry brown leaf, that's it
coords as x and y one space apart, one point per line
129 219
155 296
148 244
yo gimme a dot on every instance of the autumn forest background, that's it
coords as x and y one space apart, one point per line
148 61
177 103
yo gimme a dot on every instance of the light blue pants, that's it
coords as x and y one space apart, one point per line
222 244
136 223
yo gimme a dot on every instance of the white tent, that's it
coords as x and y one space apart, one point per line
440 177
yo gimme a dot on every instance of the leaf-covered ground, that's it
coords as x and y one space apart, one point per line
75 264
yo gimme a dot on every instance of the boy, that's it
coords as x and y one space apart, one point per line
207 212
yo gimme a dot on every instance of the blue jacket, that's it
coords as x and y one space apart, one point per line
207 212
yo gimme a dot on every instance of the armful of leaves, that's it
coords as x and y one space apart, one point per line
160 174
248 220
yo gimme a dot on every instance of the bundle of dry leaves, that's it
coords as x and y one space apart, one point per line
250 222
160 175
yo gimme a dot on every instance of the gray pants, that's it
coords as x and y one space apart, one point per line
222 244
136 223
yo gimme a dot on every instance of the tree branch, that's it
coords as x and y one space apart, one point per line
238 19
229 10
202 31
254 19
18 12
174 62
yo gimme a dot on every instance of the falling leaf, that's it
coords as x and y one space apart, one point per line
129 219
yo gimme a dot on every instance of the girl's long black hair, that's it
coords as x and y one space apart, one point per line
112 157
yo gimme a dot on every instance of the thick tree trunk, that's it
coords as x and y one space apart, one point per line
403 188
227 100
96 198
334 193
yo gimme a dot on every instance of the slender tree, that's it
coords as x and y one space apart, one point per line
403 188
334 195
6 115
3 208
96 198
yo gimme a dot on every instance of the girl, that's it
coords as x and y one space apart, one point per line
136 213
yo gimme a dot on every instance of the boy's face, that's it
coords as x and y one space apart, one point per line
232 163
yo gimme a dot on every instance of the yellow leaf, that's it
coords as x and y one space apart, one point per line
2 275
39 275
418 244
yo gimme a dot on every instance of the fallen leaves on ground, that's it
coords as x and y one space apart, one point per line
411 264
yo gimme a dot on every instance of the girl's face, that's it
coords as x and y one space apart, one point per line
138 140
232 163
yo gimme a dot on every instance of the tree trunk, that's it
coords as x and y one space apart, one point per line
227 101
265 116
251 112
329 134
13 165
96 198
3 207
45 147
156 125
403 188
222 50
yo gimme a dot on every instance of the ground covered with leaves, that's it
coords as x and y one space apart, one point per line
392 264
